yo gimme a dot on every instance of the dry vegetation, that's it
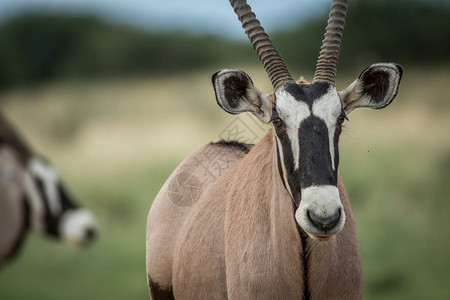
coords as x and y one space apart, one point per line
115 142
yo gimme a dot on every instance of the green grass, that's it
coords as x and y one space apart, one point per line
115 143
401 212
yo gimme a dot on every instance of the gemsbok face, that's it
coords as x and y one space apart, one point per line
51 210
307 118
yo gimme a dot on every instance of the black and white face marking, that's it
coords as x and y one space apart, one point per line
307 121
51 210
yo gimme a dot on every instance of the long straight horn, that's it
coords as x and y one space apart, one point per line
329 53
269 56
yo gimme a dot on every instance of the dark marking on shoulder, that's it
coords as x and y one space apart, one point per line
242 147
158 293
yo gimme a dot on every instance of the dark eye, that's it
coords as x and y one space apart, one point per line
341 118
277 122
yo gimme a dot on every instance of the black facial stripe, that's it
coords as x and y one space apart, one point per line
51 224
51 221
288 161
66 201
315 159
315 166
336 151
308 93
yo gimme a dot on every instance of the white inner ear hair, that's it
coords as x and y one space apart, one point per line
35 201
393 74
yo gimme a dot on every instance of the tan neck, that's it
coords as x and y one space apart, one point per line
260 224
263 218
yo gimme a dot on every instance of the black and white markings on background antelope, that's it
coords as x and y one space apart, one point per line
33 197
277 222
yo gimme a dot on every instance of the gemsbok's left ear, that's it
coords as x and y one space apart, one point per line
376 87
235 93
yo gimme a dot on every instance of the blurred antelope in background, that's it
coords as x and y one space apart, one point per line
32 197
277 223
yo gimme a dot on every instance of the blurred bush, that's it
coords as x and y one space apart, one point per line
35 48
406 31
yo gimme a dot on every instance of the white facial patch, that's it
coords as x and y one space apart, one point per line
328 109
39 169
324 202
75 226
293 112
34 198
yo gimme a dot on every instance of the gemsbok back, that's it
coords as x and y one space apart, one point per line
32 196
277 223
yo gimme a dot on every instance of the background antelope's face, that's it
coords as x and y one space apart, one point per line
51 210
307 122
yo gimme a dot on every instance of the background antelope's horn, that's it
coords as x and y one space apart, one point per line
329 53
269 56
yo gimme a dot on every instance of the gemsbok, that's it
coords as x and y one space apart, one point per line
277 223
32 196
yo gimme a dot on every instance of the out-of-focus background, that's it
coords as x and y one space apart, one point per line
115 93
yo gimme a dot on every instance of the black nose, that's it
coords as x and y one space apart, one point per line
90 234
324 224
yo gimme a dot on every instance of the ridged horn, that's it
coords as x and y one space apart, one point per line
269 56
327 62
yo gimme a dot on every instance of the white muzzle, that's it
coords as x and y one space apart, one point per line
320 212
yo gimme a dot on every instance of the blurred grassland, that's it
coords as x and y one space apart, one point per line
116 141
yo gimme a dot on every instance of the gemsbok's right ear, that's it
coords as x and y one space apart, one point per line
235 93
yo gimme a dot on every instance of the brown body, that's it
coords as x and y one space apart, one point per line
239 239
14 153
12 218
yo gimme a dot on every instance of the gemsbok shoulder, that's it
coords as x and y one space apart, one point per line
277 223
33 197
